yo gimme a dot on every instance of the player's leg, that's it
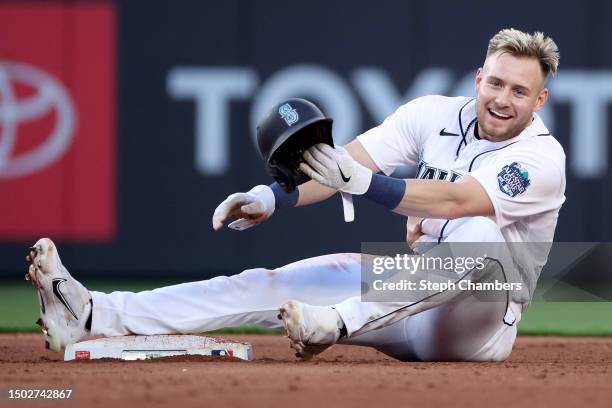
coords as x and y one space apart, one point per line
420 329
252 297
360 317
456 331
469 328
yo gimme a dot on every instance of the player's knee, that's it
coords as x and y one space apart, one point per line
498 348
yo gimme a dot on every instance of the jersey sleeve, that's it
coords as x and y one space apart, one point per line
521 185
398 141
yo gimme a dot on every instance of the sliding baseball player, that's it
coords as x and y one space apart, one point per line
488 171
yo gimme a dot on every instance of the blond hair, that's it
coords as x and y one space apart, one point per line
521 44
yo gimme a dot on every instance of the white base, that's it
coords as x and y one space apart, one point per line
146 347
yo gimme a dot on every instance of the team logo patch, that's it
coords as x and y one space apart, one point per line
513 179
289 114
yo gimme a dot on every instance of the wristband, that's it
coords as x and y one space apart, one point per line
386 191
282 198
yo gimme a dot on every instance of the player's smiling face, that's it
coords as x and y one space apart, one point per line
509 90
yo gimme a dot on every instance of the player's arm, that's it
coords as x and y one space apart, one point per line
313 192
336 169
258 204
443 199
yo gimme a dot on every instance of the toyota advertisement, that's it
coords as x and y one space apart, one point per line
58 128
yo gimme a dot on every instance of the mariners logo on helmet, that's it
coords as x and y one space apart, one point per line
289 115
285 132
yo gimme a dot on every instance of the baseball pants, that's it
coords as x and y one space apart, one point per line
463 329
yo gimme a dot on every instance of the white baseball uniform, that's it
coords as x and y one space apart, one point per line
524 178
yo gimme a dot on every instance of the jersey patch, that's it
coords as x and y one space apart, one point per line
513 179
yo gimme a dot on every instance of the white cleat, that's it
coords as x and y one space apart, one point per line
311 329
64 303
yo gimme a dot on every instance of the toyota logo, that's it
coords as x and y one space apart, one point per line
50 96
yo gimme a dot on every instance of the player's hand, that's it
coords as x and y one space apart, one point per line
413 230
336 168
248 209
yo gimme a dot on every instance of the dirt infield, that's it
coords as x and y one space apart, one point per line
541 372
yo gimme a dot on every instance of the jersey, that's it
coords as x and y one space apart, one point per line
524 176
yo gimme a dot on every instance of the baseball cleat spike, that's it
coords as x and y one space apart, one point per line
39 322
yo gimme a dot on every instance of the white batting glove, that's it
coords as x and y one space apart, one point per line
336 168
249 209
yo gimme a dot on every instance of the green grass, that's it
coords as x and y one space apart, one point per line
568 319
19 311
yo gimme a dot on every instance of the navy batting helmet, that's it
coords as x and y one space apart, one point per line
287 130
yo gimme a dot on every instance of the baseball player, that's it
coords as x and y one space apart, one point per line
488 171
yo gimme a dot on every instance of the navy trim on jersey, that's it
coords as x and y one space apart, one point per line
463 133
488 151
463 137
476 135
460 112
507 294
474 121
442 231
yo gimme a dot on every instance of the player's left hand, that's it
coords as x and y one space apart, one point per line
336 168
